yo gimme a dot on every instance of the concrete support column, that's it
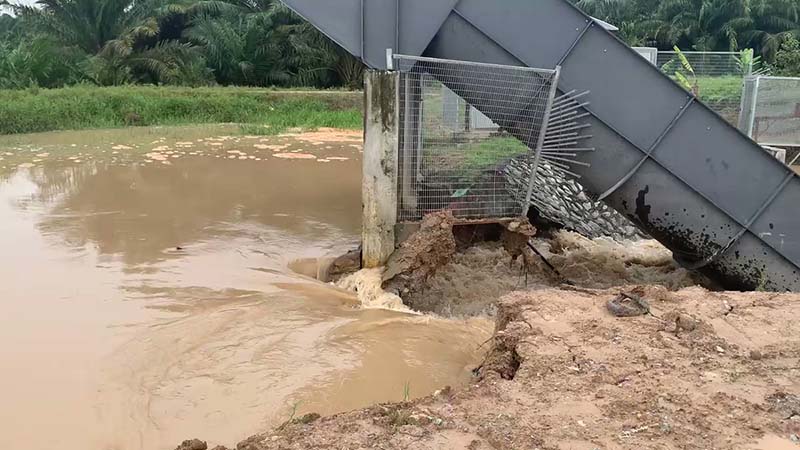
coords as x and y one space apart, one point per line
379 185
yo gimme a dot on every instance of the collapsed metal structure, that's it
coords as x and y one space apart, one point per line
665 160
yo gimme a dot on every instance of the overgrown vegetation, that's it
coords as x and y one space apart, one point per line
167 42
787 62
262 43
33 110
703 25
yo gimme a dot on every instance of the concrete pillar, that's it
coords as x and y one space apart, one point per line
379 185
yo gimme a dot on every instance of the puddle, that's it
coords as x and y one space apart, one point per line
152 302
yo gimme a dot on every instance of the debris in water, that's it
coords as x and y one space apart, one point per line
515 237
429 248
329 135
470 283
628 305
295 156
346 264
156 156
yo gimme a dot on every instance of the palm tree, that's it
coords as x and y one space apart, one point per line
632 17
773 22
37 62
239 48
90 24
263 42
121 38
704 25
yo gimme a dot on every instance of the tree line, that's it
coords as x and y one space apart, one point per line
191 43
770 27
263 43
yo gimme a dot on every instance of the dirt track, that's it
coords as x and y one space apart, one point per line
705 370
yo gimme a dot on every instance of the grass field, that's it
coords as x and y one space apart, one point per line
82 107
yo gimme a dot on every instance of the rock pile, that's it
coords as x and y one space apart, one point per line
563 201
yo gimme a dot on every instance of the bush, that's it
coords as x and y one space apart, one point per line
787 60
25 111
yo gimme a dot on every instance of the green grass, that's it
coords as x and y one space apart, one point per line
82 107
720 89
491 152
472 158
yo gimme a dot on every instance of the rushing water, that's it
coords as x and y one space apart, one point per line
146 296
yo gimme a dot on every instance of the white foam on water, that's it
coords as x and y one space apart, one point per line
366 283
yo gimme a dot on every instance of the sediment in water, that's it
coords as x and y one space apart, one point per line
471 282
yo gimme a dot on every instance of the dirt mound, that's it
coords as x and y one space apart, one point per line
701 370
421 255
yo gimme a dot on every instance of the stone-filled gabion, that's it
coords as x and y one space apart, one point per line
563 201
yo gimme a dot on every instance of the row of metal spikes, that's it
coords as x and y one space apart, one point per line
566 132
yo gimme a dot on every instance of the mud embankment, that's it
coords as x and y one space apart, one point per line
564 373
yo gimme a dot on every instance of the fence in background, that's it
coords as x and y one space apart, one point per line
449 157
718 78
460 116
771 110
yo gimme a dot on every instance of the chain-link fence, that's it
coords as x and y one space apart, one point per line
771 110
461 123
717 78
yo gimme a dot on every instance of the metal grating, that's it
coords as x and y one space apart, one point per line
460 125
771 110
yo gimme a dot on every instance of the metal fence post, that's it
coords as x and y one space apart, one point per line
751 125
537 155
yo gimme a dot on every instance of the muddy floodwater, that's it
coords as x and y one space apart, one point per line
147 299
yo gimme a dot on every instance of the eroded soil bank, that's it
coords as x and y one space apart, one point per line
703 370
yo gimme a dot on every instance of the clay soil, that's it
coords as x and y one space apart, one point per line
704 370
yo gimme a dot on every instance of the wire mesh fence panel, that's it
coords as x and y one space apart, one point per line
461 116
445 161
771 113
717 78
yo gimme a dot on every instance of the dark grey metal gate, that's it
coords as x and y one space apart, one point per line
676 168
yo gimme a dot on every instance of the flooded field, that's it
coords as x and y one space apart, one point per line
148 298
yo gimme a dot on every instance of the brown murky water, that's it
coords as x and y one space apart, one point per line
146 296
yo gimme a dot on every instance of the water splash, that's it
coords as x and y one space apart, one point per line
366 283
